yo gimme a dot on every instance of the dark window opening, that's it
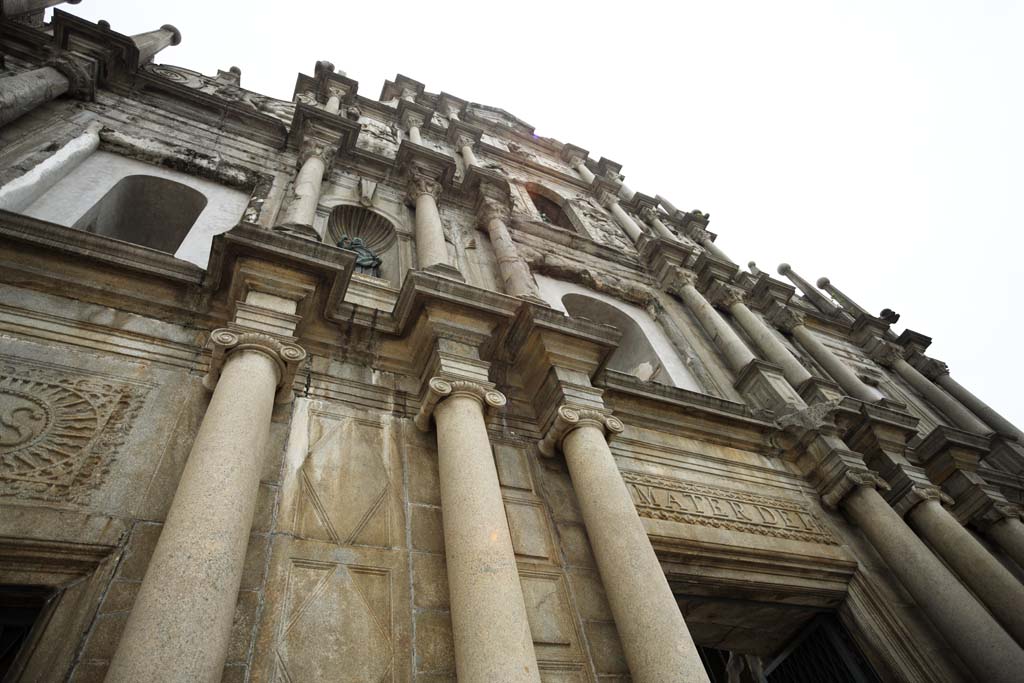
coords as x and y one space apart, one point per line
20 607
550 211
145 210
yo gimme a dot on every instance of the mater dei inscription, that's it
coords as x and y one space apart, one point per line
678 501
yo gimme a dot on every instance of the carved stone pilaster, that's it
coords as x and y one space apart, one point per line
568 418
439 389
286 357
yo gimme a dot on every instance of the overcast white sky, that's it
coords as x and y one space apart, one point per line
878 143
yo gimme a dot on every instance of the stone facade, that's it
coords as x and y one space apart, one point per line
528 425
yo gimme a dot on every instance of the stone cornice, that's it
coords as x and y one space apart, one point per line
913 341
311 122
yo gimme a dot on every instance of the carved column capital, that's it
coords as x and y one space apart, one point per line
568 418
785 318
841 486
997 512
886 353
80 74
917 494
421 184
648 214
931 368
439 389
725 295
286 357
491 208
312 147
697 233
679 279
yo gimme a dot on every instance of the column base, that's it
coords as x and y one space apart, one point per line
306 232
445 270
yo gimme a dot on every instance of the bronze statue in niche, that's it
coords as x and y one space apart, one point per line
367 262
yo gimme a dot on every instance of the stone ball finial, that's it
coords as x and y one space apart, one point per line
235 70
751 264
104 24
784 268
175 33
823 282
323 67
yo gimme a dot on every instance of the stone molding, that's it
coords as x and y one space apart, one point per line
568 418
439 389
286 357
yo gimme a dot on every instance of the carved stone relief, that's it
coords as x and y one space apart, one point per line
689 503
60 430
227 91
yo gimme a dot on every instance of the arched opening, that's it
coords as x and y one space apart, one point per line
549 206
635 355
371 236
145 210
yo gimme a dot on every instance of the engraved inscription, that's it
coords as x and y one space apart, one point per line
59 431
678 501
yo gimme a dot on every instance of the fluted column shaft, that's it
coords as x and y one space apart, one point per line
725 338
431 248
180 624
773 349
655 639
990 417
515 273
581 167
22 93
1001 592
627 224
836 368
1008 533
963 418
489 624
988 650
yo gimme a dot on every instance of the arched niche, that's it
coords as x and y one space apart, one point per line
551 207
644 351
377 233
145 210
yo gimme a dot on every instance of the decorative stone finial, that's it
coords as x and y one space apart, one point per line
151 43
823 282
784 268
890 316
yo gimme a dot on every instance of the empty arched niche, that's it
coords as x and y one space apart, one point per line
550 206
371 236
146 210
644 351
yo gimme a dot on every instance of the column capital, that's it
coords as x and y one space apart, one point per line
886 353
784 317
680 279
846 481
420 184
491 208
461 134
917 494
724 295
649 214
313 147
573 155
997 512
286 357
570 417
411 114
930 367
439 388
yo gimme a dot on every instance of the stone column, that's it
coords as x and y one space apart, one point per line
314 158
624 192
464 143
820 301
987 650
1001 592
431 248
670 208
891 356
515 273
489 623
152 42
650 216
628 225
655 639
580 166
773 349
19 194
702 237
1008 533
414 130
792 321
180 624
754 270
64 74
16 8
938 372
725 338
846 302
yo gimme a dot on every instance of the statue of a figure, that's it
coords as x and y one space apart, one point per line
367 262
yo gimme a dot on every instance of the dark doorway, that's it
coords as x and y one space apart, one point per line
20 607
